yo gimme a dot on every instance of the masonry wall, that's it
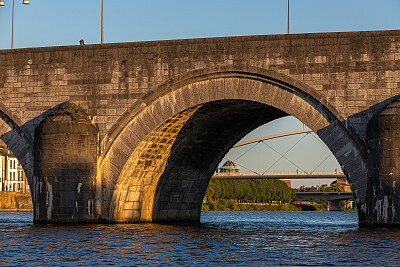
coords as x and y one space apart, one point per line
351 71
15 201
66 146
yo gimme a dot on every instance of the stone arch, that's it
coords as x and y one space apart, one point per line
8 116
138 185
17 140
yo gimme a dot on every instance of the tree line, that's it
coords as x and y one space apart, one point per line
333 188
251 190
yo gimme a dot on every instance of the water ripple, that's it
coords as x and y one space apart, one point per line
222 238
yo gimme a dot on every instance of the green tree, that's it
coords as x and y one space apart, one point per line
251 190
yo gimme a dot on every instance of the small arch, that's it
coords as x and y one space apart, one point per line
174 105
17 140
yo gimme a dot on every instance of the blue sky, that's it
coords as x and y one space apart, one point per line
59 23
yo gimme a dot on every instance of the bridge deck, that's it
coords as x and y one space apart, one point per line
325 195
277 175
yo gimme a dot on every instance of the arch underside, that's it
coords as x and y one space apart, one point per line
18 142
159 166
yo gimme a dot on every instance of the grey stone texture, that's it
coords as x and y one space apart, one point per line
383 136
141 96
64 189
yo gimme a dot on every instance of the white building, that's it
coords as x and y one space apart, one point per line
12 176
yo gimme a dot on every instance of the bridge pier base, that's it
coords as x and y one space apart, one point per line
383 187
334 205
65 167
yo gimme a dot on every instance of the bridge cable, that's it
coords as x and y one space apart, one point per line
283 156
330 154
258 173
245 152
234 161
320 141
324 146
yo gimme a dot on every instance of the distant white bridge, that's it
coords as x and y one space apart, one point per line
278 175
258 140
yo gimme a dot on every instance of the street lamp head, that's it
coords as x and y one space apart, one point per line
26 2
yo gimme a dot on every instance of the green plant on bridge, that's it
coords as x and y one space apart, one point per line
75 112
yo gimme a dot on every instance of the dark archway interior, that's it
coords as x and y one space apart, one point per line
200 145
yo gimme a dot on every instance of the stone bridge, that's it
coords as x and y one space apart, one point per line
334 199
134 131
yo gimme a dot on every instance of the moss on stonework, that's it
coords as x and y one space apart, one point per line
73 112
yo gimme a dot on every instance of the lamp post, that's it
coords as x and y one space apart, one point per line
102 21
26 2
288 24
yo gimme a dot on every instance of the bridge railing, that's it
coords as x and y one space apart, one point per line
289 173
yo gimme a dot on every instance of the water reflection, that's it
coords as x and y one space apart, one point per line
222 238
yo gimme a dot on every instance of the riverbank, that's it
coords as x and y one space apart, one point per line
15 202
16 210
231 205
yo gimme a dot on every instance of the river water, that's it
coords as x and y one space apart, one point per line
225 238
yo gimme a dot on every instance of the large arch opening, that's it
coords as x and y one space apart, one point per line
284 145
157 164
183 153
278 166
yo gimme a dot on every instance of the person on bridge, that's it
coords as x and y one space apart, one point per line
82 42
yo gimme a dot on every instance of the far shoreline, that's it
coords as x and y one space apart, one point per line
16 210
